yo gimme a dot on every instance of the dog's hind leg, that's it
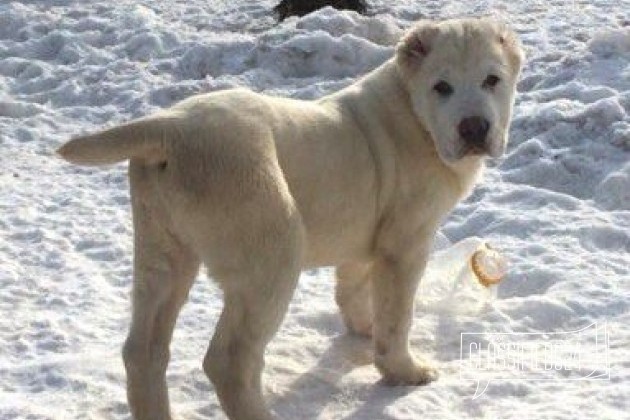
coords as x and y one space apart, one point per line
256 297
164 270
353 294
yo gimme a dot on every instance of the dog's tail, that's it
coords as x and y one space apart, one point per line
147 138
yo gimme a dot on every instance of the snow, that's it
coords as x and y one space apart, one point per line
557 205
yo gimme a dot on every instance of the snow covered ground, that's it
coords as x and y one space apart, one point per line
558 205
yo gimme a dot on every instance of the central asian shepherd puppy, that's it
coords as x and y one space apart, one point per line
258 188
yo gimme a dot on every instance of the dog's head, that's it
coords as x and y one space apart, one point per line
461 76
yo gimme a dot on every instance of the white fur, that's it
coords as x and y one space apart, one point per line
258 188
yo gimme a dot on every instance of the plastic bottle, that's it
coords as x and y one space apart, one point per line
462 278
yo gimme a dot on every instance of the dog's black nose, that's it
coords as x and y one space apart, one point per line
474 130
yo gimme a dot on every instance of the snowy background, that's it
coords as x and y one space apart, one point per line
558 204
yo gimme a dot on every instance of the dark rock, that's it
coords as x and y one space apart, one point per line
288 8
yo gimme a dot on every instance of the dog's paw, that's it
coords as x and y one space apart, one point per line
408 373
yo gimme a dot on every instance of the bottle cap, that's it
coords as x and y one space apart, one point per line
488 265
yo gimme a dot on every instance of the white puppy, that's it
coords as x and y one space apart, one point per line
258 188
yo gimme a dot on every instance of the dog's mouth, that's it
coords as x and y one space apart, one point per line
468 150
475 151
462 150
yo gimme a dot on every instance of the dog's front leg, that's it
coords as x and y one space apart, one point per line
394 286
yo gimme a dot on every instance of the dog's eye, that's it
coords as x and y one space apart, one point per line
443 88
491 81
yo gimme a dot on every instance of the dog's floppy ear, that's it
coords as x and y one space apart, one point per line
415 46
512 47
